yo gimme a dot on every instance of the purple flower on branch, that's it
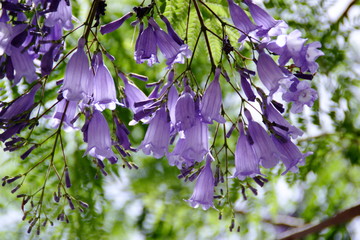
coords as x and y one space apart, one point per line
204 188
157 135
145 47
98 138
246 161
77 75
110 27
211 101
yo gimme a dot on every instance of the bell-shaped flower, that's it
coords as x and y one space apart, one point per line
132 94
191 146
157 135
269 26
263 146
290 154
241 20
104 87
62 16
204 188
269 72
300 93
7 33
98 138
173 97
173 52
185 114
246 161
211 101
69 109
77 75
171 31
281 125
145 47
23 65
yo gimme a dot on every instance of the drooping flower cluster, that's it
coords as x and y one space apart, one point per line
179 112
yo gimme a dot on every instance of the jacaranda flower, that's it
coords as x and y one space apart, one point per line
263 146
185 111
62 16
69 114
204 188
290 154
269 72
246 161
211 101
300 93
191 146
108 28
104 87
157 135
77 75
173 52
145 47
98 138
241 20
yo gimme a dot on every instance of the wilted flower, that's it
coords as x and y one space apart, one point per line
204 188
211 101
98 138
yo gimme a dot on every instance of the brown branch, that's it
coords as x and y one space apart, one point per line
339 218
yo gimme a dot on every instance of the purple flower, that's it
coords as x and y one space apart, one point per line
280 124
173 52
171 31
269 72
104 87
247 88
14 117
122 134
157 135
311 53
69 114
204 188
246 161
171 103
211 101
300 93
269 26
7 33
77 75
23 66
185 114
288 46
145 47
98 138
62 16
110 27
290 154
263 146
241 20
191 146
132 94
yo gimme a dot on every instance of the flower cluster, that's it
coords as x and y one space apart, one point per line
179 112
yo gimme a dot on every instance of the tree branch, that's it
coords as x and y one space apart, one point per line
339 218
